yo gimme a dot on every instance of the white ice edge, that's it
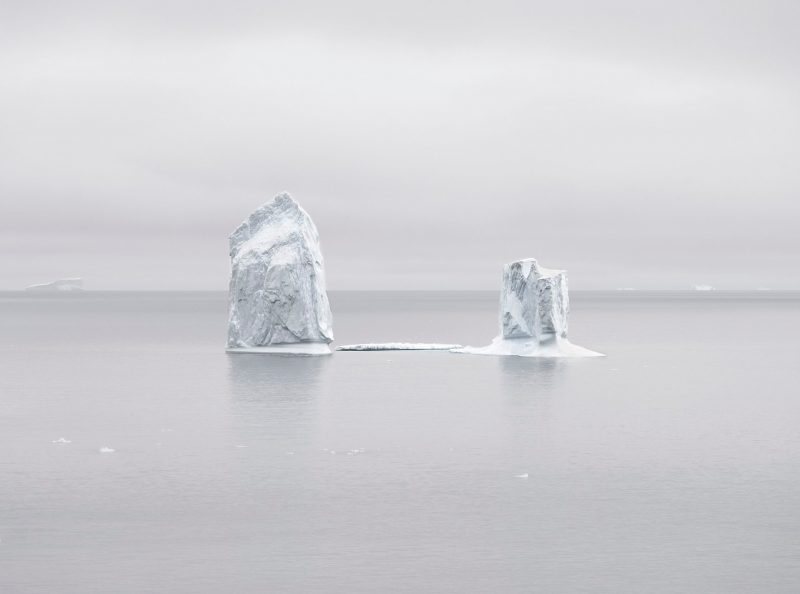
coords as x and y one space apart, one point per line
295 348
399 346
549 347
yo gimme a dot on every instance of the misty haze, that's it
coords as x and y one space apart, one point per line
413 297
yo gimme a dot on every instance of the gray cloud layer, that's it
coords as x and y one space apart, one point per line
636 144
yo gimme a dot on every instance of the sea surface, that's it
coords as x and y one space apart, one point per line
136 456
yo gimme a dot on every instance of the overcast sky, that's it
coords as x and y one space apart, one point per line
636 144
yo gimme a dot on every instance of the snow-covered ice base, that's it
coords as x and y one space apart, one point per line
547 346
399 346
292 348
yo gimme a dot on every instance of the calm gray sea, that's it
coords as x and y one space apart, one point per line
672 465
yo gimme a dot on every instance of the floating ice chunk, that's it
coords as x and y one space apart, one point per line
61 440
277 297
398 346
106 450
240 445
704 288
63 284
534 311
522 476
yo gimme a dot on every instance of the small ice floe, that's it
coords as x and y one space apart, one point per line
703 288
356 451
240 445
106 450
61 440
398 346
522 476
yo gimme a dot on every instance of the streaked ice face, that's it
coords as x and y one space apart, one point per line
277 293
534 301
635 146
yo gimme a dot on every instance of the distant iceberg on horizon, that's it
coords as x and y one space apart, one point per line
704 288
63 284
277 302
534 311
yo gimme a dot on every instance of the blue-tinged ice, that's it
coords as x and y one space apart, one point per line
534 312
277 297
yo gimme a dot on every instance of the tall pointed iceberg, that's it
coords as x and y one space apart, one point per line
534 311
277 298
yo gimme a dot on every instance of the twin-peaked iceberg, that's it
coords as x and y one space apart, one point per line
277 297
534 311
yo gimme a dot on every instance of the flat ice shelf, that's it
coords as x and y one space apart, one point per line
399 346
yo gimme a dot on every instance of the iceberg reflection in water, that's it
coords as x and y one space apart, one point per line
644 467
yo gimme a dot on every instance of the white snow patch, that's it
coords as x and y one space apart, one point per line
547 347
